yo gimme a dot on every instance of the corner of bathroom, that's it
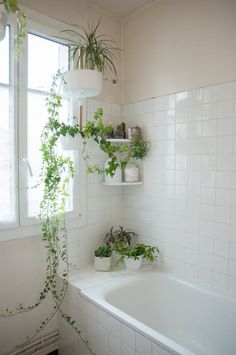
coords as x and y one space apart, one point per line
117 177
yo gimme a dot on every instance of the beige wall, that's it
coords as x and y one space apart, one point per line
176 45
81 13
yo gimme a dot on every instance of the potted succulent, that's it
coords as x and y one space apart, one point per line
93 55
134 255
7 7
102 261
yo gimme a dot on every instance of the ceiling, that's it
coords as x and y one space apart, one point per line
120 8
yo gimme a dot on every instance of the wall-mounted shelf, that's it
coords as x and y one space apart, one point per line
124 183
118 141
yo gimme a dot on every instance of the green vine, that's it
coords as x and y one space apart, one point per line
12 6
56 172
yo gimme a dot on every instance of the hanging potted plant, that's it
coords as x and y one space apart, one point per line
93 55
7 7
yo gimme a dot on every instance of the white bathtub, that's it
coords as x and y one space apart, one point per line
180 317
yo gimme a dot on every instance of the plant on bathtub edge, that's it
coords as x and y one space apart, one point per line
134 255
102 260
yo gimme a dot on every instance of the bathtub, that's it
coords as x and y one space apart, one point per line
178 316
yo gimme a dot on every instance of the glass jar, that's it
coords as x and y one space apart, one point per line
131 172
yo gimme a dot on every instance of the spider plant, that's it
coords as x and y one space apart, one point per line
91 50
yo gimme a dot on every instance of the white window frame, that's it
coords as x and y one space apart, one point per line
29 226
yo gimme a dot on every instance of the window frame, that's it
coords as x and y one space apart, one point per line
24 226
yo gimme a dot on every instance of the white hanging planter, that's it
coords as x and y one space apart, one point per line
82 83
3 21
102 264
70 143
132 264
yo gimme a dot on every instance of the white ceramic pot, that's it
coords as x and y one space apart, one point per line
81 83
131 173
3 21
116 179
132 264
102 264
70 143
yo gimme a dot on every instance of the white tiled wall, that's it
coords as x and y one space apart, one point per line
103 203
187 204
104 334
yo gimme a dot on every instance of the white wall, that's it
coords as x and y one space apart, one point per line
187 204
175 45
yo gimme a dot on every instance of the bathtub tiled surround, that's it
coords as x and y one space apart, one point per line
187 205
103 333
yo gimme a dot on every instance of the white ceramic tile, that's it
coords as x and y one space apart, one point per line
209 111
126 350
128 336
232 285
206 244
102 336
225 127
205 276
226 91
225 109
232 268
220 264
143 345
157 350
206 228
224 162
221 231
115 345
205 260
232 251
114 326
221 248
219 281
224 145
209 128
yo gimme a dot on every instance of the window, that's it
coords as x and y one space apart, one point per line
7 147
21 124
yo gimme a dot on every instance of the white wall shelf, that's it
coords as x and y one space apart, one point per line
119 141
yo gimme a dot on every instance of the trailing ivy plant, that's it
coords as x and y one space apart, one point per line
56 172
12 6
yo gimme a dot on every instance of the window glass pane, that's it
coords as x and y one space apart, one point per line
45 58
7 190
4 59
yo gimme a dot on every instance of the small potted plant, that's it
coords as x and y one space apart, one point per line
93 56
134 255
119 238
102 261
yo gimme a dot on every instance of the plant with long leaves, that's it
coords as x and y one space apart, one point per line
91 50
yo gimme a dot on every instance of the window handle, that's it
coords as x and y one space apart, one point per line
26 163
